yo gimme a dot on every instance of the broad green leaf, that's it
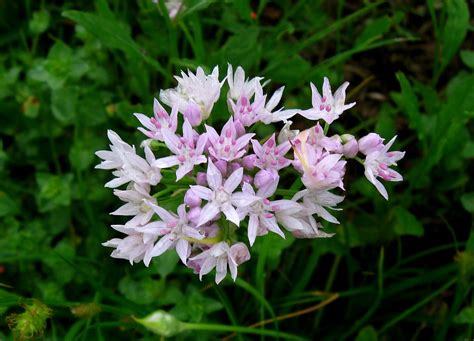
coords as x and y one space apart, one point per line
63 104
58 261
40 21
406 223
465 316
165 264
467 56
7 205
162 323
113 34
195 306
467 201
81 155
367 334
468 151
54 191
141 291
375 28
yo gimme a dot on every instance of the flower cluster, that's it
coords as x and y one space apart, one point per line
225 182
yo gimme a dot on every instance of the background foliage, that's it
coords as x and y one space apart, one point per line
396 269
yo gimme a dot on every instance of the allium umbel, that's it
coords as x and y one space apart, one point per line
204 191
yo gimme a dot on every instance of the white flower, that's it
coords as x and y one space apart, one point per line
221 256
137 246
239 86
262 212
137 200
318 200
377 163
266 113
194 89
327 107
175 230
161 121
129 166
187 153
220 196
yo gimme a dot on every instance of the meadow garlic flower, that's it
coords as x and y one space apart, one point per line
327 107
228 182
161 121
222 256
194 92
377 165
220 195
188 153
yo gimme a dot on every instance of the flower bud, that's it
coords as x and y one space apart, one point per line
221 166
191 199
233 167
370 143
265 177
248 161
240 253
194 214
201 179
350 148
247 178
193 114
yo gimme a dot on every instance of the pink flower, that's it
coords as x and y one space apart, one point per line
267 113
175 230
161 121
377 164
262 212
136 198
221 256
137 246
370 143
246 112
317 202
198 89
228 146
220 196
327 107
239 86
129 166
187 153
271 156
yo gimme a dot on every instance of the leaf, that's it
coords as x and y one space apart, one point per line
467 56
375 28
408 102
39 23
367 333
7 205
143 291
195 306
454 30
467 201
54 191
162 323
166 263
63 104
465 316
406 223
81 156
113 34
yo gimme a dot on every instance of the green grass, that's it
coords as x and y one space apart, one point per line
400 269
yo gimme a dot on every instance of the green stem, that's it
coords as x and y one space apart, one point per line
238 329
416 306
